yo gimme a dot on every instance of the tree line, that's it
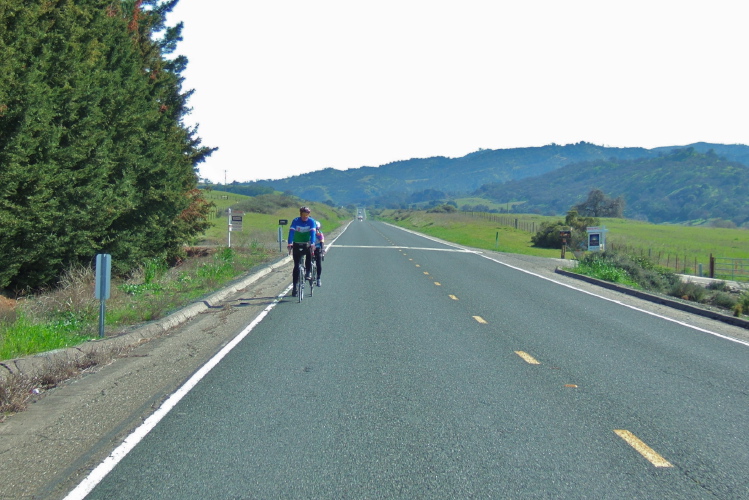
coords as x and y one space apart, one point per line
94 154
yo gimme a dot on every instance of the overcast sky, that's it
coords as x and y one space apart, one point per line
287 87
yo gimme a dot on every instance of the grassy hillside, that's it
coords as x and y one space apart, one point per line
261 216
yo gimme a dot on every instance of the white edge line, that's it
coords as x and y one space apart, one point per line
715 334
726 337
109 463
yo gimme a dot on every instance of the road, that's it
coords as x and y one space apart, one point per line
420 369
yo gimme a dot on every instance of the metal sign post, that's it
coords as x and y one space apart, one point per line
281 222
103 285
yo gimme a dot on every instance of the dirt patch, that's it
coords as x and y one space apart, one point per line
7 304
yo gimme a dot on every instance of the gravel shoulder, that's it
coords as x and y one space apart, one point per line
52 446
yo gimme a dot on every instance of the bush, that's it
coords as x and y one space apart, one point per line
640 270
688 291
725 300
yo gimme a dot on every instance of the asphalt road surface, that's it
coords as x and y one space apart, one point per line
425 370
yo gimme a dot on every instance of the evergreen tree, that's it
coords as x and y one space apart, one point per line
94 156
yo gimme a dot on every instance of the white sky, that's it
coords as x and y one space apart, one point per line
284 87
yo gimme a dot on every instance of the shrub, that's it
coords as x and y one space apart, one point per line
688 291
725 300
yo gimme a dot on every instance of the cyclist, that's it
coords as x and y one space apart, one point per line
319 250
301 240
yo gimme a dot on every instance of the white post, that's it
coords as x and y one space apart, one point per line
229 245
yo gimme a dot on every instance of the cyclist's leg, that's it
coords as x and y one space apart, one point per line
300 278
308 260
318 261
297 254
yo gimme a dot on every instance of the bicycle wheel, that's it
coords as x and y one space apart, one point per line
312 278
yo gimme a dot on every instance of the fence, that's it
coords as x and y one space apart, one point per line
505 220
729 269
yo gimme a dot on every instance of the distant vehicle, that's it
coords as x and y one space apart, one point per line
360 217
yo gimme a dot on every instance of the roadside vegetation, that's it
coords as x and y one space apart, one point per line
68 314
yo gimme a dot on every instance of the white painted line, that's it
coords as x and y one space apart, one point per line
405 248
704 330
109 463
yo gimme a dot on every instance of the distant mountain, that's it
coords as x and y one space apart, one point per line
684 185
421 179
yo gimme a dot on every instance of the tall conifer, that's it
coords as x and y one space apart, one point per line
94 156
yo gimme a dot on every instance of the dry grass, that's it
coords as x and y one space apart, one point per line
18 390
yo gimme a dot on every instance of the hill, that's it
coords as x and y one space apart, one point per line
684 185
423 179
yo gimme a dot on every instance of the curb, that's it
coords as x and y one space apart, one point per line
137 334
731 320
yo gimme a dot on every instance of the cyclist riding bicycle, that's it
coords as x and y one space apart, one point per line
302 239
319 250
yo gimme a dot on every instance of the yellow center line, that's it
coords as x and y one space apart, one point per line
453 297
418 265
527 357
480 320
426 273
438 283
643 449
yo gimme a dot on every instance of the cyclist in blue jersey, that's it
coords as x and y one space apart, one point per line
302 241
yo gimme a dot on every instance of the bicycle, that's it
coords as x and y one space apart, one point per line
313 274
301 276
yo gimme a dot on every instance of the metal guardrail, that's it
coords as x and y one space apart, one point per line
729 269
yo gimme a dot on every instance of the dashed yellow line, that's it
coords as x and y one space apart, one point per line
643 449
426 273
527 357
453 297
438 283
480 320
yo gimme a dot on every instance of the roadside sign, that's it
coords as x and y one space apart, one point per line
236 222
596 238
282 222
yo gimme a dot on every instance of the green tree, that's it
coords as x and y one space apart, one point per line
600 205
93 153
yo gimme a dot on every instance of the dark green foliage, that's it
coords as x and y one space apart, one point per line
93 155
600 205
677 187
548 235
443 209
